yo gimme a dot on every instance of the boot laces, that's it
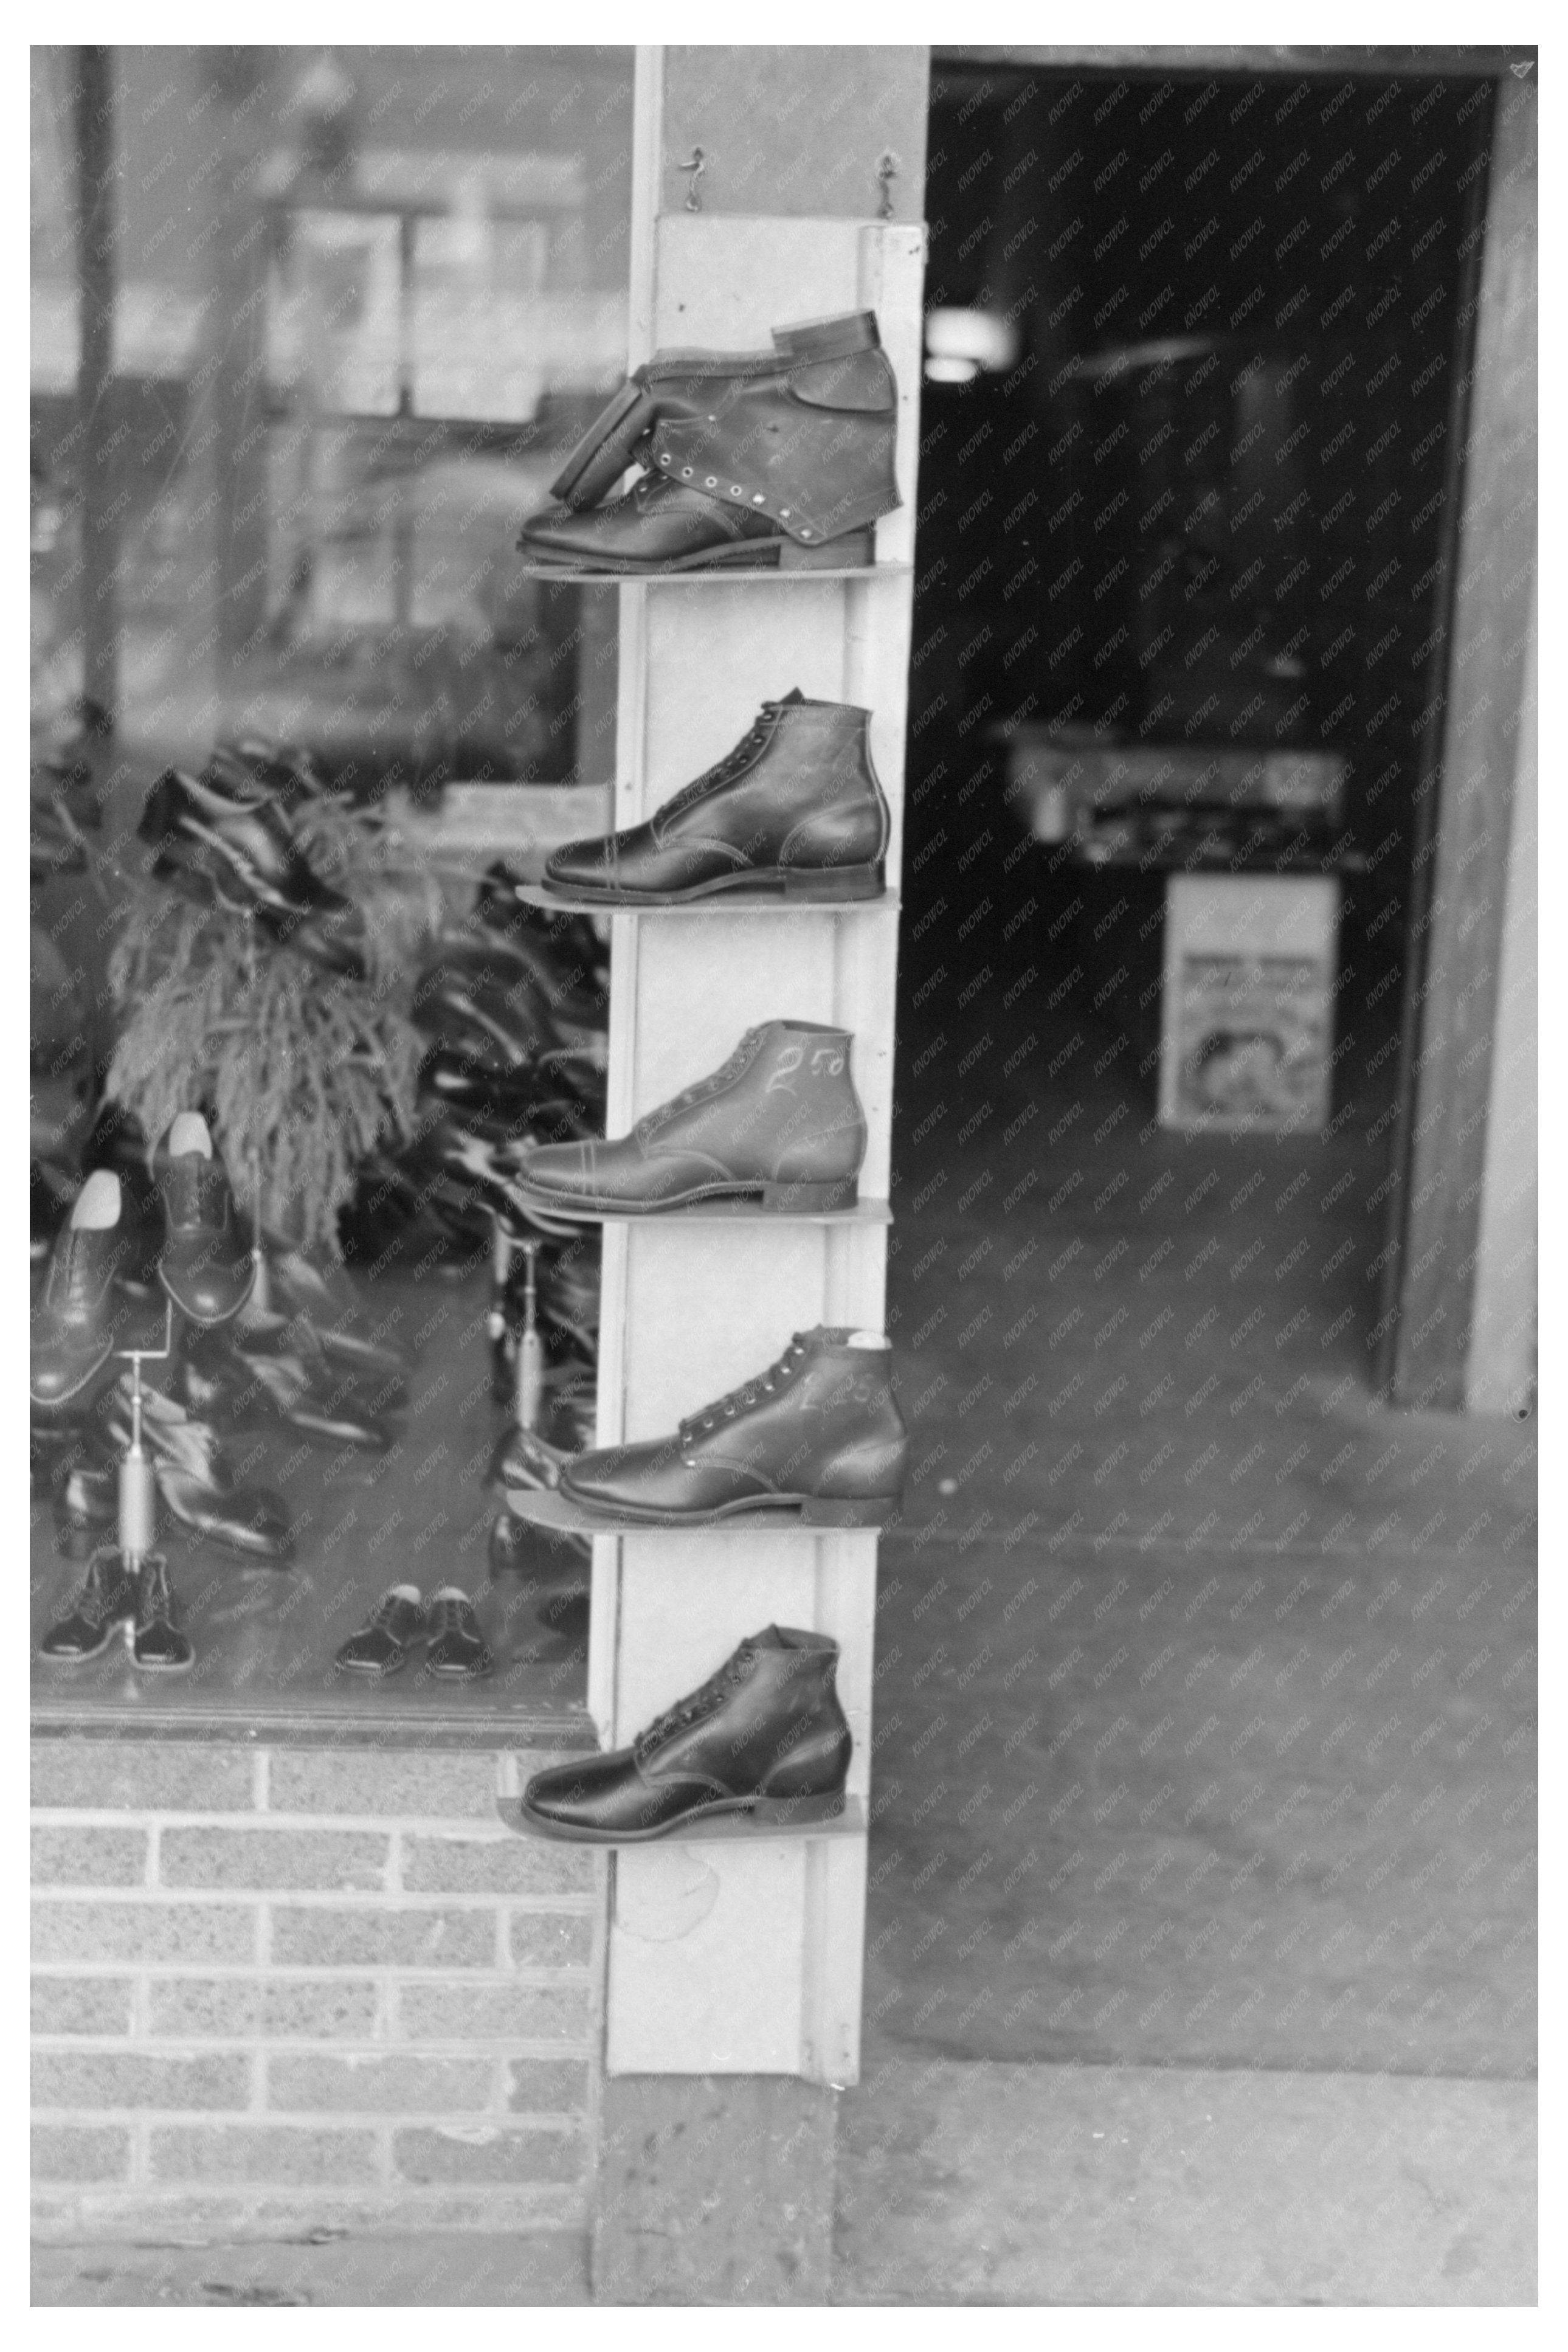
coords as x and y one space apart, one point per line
749 1392
715 1083
156 1600
733 763
703 1701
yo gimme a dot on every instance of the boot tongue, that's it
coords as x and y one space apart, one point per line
793 696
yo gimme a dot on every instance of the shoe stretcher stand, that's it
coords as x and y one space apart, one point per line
738 1953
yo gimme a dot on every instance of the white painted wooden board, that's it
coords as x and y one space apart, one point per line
745 1958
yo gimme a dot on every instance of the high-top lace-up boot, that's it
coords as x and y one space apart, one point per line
818 1437
765 1737
780 1123
795 811
780 460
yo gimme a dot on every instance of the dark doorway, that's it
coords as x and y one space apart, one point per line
1181 1615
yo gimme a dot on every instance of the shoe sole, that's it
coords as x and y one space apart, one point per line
856 551
773 1200
759 1812
847 885
804 1510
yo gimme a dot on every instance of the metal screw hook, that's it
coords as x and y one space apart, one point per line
886 172
696 167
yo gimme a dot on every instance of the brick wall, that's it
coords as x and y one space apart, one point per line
304 1986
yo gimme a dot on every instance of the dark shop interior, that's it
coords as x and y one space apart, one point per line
1188 500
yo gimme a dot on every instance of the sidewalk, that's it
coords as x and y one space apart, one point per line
963 2183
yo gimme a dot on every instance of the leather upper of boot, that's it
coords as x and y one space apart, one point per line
803 436
823 1421
781 1109
768 1723
811 449
206 1268
797 791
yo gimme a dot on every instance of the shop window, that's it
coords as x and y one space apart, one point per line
310 330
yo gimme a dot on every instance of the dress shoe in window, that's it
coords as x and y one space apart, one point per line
206 1268
458 1650
73 1330
383 1643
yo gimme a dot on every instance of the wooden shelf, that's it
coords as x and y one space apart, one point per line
549 1508
734 576
720 1212
719 1829
731 904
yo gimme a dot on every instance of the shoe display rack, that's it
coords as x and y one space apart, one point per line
742 1953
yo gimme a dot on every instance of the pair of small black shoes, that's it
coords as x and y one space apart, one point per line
112 1598
401 1623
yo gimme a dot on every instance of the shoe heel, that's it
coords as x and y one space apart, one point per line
808 1199
790 1813
855 552
825 884
869 1511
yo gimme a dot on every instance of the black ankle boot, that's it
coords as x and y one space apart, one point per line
794 811
818 1438
159 1644
102 1603
765 1737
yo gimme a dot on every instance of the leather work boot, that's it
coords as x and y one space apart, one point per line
73 1333
780 460
780 1123
206 1268
765 1737
818 1437
794 811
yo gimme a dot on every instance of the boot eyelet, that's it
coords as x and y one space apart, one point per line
686 473
735 491
711 483
756 498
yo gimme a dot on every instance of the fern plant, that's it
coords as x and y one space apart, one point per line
300 1071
